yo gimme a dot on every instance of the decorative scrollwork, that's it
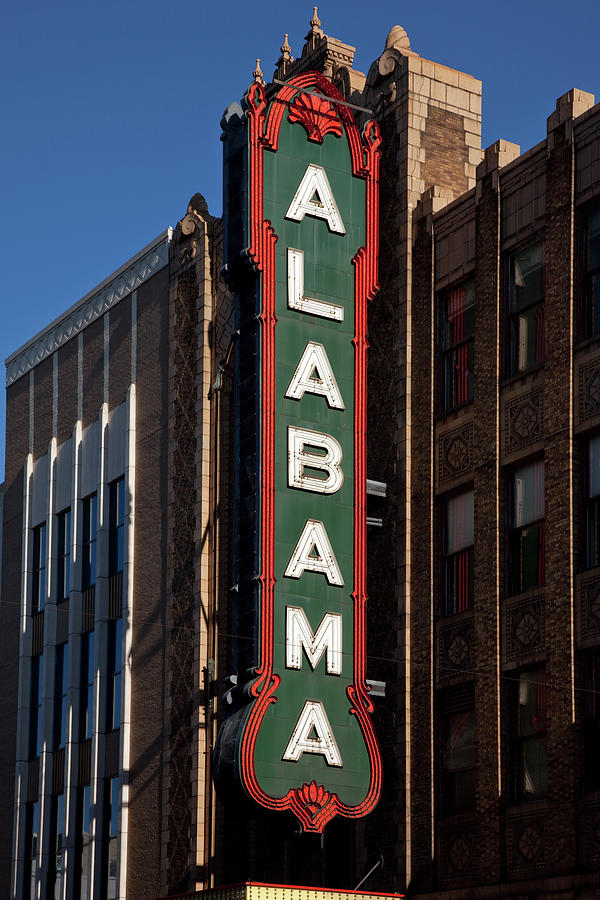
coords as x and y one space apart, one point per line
528 843
525 627
317 115
456 453
590 607
456 648
524 420
457 852
589 390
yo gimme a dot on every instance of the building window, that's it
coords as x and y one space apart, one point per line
115 632
591 288
116 520
35 707
56 870
63 560
60 695
88 549
84 845
458 749
111 820
458 554
528 731
526 309
457 342
38 584
527 528
592 512
590 719
31 849
87 686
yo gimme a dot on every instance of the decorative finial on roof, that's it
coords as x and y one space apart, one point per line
257 74
315 22
286 51
285 60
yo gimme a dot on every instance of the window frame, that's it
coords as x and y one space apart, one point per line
589 717
519 741
36 706
454 704
38 568
458 564
61 688
110 850
63 555
590 277
86 682
453 396
517 534
89 529
512 315
591 510
116 526
114 675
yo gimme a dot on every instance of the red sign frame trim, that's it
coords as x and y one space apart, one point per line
312 804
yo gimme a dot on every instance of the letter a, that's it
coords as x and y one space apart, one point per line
313 718
314 197
314 553
314 375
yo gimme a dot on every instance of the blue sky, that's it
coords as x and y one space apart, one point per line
111 113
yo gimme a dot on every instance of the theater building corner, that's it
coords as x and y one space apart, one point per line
282 612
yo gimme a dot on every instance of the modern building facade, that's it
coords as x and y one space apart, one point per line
117 600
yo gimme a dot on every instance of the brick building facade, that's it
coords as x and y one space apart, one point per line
484 546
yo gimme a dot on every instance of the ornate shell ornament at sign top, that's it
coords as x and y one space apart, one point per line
317 115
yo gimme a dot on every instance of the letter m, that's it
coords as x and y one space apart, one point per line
327 638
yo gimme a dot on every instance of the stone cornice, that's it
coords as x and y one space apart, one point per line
153 257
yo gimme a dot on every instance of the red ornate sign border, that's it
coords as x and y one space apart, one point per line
312 804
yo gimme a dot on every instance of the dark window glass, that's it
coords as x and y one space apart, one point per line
87 685
115 632
528 728
457 749
593 503
458 554
526 309
591 311
83 843
56 869
60 694
458 329
111 819
63 561
38 585
459 761
88 549
115 526
527 534
31 849
35 726
590 708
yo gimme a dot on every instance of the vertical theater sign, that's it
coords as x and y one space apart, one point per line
301 248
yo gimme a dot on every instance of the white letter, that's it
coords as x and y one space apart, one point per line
303 447
313 716
314 552
296 298
314 197
315 375
299 634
